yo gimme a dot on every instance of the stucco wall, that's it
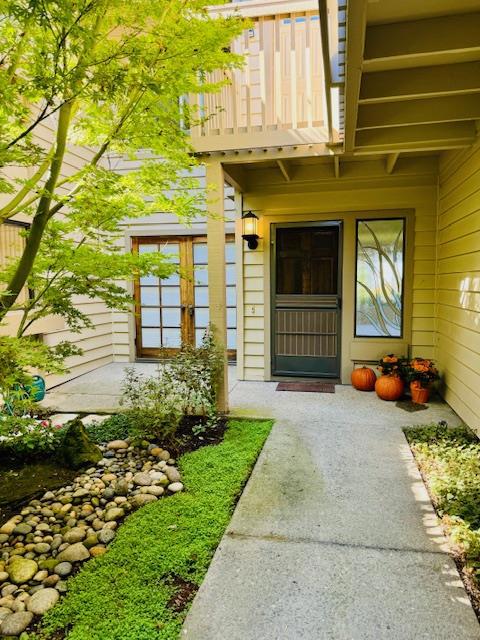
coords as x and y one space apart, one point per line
458 281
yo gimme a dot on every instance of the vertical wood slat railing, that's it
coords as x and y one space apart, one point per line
280 86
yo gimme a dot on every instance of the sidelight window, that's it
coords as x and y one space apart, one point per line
379 278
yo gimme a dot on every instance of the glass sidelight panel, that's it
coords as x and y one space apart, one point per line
200 257
160 302
379 280
175 310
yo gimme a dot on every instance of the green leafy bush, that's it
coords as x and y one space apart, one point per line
24 436
449 459
187 384
18 358
116 427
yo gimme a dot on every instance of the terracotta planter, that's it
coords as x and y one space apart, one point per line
363 379
420 395
389 388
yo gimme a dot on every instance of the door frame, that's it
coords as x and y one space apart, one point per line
187 294
273 285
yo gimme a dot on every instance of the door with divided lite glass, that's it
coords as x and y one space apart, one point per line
306 300
174 311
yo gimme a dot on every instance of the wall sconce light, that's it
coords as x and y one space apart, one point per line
249 229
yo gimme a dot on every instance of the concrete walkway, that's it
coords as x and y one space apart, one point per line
334 536
99 391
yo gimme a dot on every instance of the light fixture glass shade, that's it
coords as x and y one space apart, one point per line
250 229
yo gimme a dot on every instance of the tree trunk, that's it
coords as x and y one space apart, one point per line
41 218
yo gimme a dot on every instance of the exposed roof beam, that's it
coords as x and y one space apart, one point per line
356 20
419 42
336 166
424 111
390 162
236 177
282 165
422 82
452 135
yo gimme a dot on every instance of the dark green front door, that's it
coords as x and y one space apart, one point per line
306 300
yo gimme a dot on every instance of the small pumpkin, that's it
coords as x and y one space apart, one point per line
363 379
389 387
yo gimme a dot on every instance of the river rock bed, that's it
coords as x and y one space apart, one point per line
52 536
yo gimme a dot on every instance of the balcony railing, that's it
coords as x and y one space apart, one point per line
277 98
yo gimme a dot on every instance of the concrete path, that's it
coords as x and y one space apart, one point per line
99 391
334 536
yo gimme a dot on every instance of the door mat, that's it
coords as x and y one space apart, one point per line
408 405
308 387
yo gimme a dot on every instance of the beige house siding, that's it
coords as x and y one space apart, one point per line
382 197
96 343
162 225
458 281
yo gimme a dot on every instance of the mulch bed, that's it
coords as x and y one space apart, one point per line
193 434
184 592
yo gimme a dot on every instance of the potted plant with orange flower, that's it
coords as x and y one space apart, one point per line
421 373
390 385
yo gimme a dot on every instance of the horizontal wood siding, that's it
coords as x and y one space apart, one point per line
158 224
342 200
96 343
458 282
254 335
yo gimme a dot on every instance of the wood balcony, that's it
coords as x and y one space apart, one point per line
277 99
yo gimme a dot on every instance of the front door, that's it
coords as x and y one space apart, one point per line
174 311
306 300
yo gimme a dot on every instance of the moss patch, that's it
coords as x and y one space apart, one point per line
127 594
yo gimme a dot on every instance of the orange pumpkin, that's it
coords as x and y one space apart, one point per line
389 387
364 379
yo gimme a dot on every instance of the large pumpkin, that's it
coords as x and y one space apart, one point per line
364 379
389 387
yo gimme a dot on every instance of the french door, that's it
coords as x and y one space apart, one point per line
173 311
306 300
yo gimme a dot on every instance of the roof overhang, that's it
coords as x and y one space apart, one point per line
412 75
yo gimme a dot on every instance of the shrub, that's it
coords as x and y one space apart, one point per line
23 436
116 427
450 462
187 384
18 357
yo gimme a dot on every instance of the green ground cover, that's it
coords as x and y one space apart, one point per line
449 459
137 591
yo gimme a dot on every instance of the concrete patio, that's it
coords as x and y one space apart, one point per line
334 536
100 390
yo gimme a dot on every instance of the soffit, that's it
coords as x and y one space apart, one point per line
332 171
412 78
